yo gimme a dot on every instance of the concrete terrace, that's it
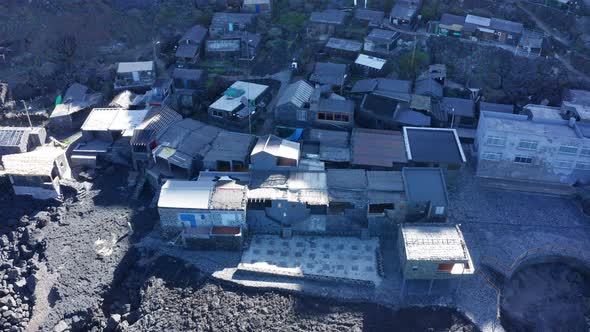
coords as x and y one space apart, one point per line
499 227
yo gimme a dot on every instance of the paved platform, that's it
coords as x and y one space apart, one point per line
345 258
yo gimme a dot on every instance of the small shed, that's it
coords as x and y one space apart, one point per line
432 252
369 65
346 48
273 153
77 103
37 173
135 75
20 139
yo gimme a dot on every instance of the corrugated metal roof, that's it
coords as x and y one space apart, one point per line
329 16
297 93
39 162
382 148
478 20
13 136
100 119
344 44
186 194
129 67
329 73
195 34
157 120
230 146
276 146
370 61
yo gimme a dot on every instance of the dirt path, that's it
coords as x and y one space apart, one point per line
571 68
542 25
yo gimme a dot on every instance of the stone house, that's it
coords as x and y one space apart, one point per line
135 76
37 173
239 104
190 46
322 25
431 252
542 149
209 213
21 139
380 41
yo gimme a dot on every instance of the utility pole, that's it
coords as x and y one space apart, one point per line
27 112
414 56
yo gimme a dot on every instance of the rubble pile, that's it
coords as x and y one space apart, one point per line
21 246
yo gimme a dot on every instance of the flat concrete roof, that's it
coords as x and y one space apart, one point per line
434 243
425 184
520 124
433 145
251 92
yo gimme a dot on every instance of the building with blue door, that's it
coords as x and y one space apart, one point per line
257 6
209 213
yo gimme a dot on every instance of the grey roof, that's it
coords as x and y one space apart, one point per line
493 107
429 87
329 73
76 98
505 25
229 146
373 16
335 105
392 85
382 34
333 145
364 86
450 19
157 120
346 179
404 9
433 145
411 118
348 45
383 86
460 106
187 50
385 180
195 34
423 184
188 74
329 16
297 93
531 39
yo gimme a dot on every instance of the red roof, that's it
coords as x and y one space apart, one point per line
381 148
226 230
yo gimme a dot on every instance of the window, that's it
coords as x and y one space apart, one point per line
495 156
564 163
216 113
496 141
568 149
340 117
444 268
520 159
380 208
526 144
585 152
439 210
583 166
301 116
